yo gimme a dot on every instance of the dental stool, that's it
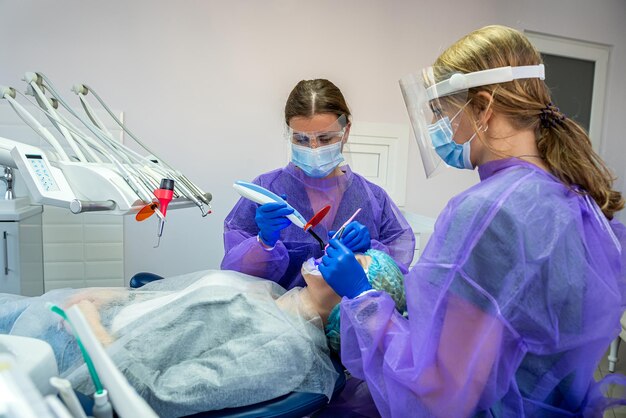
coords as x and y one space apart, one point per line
291 405
615 345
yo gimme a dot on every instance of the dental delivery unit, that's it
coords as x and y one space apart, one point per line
85 169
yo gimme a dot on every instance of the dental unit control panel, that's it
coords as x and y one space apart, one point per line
46 184
42 171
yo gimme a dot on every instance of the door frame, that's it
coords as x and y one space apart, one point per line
577 49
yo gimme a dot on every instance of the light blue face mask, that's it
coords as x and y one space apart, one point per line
317 162
453 154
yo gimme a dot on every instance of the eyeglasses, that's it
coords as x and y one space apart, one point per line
308 139
440 109
435 107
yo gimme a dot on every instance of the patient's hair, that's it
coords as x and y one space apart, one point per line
383 274
313 97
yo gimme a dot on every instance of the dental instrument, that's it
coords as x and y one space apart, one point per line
127 403
192 191
345 224
164 193
315 219
88 362
87 169
147 211
339 232
261 196
132 160
34 80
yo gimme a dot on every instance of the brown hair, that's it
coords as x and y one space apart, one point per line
312 97
563 144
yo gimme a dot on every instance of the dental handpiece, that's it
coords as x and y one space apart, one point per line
165 194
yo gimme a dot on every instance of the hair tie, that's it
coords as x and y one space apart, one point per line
551 116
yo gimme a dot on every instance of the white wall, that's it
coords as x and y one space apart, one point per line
204 82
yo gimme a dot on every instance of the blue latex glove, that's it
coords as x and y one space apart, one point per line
342 271
271 219
356 236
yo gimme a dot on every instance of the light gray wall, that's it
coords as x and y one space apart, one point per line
204 82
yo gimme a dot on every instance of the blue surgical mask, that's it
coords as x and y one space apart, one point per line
317 162
453 154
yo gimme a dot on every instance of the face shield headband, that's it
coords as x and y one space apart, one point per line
434 95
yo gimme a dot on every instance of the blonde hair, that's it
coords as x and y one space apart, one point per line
563 144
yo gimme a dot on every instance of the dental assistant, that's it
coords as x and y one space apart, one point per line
261 241
520 289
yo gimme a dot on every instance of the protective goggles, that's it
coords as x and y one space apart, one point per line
437 93
332 134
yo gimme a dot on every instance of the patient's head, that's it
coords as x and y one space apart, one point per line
382 273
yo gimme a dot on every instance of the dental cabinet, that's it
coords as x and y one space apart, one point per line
21 248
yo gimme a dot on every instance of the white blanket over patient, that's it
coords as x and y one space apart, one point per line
203 341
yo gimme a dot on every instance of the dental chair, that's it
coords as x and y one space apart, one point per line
291 405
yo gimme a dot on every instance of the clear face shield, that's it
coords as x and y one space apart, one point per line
430 110
435 99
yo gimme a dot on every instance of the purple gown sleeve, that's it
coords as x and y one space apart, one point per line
394 235
452 358
243 252
620 234
512 304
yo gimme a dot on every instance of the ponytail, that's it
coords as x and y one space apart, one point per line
566 148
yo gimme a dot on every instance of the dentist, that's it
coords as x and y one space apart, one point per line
260 240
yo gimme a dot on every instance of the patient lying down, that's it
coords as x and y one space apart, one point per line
202 341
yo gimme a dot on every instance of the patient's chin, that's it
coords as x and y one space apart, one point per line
313 280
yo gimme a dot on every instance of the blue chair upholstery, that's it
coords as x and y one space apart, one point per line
143 278
291 405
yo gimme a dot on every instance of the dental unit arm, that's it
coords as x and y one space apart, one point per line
99 174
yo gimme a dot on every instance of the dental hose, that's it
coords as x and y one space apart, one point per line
92 370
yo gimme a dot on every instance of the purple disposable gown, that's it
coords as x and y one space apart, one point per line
514 301
389 230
